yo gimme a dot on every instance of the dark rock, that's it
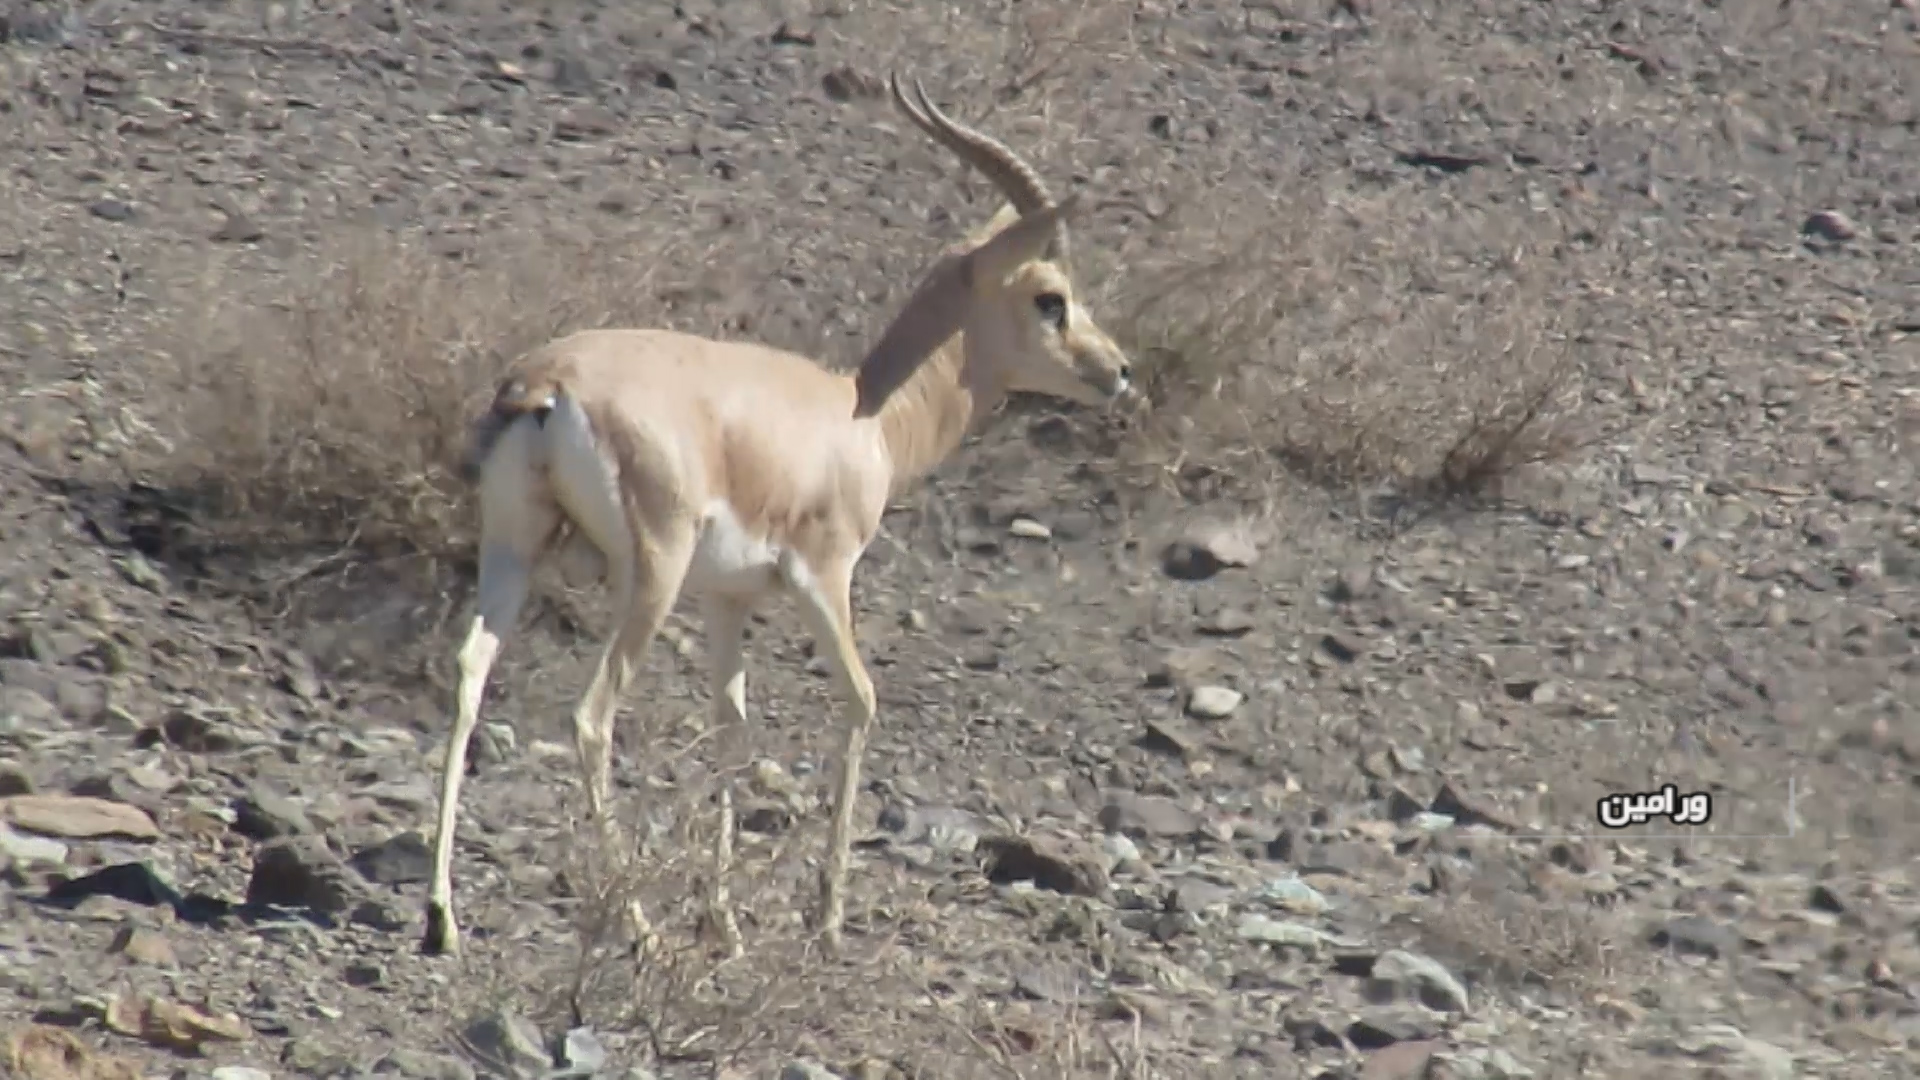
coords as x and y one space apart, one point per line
1053 863
401 859
1136 815
300 872
268 815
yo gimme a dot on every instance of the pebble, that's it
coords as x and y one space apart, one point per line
1398 972
28 850
1213 702
1289 893
1281 932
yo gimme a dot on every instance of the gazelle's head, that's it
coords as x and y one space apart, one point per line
1025 328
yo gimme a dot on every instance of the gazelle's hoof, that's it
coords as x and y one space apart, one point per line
442 937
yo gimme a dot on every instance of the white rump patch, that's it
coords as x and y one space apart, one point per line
585 485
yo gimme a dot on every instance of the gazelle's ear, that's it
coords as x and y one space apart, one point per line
1030 237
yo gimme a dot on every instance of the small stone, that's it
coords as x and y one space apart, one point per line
1380 1028
1469 810
1196 896
1353 583
145 946
1057 864
494 744
1401 1060
238 229
239 1072
364 974
507 1043
1120 850
1213 702
1277 932
24 708
402 859
1207 549
111 210
1697 935
28 850
846 83
266 815
765 817
1478 1063
42 1052
380 915
1830 225
314 1057
807 1070
192 731
417 1065
172 1024
13 778
77 817
1344 648
1291 894
1227 622
1183 667
1136 815
1398 972
1402 807
1167 735
581 1052
300 872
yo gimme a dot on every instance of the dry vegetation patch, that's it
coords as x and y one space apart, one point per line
1369 340
332 410
1352 342
910 992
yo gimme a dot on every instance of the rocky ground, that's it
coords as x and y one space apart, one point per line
1538 391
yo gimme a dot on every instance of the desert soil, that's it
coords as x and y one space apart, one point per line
1537 396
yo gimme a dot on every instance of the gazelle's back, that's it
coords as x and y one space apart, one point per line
648 369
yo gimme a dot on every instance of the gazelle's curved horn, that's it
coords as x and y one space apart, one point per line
996 161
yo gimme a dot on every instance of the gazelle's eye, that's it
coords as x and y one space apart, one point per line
1053 308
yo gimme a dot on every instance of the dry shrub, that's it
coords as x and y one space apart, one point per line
331 411
882 1010
1499 937
1416 344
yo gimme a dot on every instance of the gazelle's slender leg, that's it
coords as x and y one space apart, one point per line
506 575
828 605
646 589
726 619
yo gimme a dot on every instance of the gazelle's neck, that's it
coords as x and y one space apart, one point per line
925 420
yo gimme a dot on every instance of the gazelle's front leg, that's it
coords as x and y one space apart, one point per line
829 609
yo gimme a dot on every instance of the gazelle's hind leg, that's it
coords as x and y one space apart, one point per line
828 605
645 588
644 567
726 632
516 526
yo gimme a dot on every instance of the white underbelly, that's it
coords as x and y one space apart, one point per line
727 559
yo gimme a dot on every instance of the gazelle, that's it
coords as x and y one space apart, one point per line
739 471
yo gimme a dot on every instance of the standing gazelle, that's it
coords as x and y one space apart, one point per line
740 471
